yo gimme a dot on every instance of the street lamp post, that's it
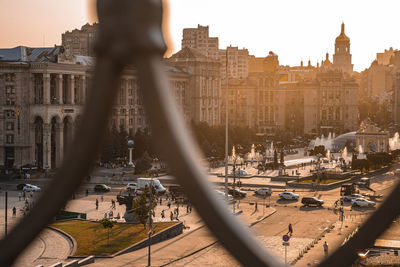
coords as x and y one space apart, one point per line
226 129
150 222
130 147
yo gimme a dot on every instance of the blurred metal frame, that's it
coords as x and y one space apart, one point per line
130 34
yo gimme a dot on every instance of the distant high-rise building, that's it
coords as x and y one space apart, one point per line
396 99
80 42
199 39
238 66
342 56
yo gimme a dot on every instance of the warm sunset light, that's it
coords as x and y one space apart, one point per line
294 30
267 133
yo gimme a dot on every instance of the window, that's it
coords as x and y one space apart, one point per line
10 126
10 102
10 90
10 139
10 77
130 121
122 122
10 114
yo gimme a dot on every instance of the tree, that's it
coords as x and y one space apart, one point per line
107 224
282 157
141 208
143 164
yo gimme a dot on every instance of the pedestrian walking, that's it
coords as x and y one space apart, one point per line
97 204
290 232
102 197
169 204
187 208
162 214
87 192
160 201
171 216
326 249
14 210
19 196
256 207
105 214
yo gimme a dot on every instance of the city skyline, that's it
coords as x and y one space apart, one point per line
303 40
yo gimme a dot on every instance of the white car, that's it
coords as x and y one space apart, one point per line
131 187
266 191
352 197
362 202
288 195
31 188
240 172
221 195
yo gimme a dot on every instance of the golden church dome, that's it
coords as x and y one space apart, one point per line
342 38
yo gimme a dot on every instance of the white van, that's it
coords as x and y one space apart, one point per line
143 182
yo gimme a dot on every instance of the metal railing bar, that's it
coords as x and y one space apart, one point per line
75 167
177 147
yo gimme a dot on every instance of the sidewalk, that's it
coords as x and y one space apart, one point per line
334 238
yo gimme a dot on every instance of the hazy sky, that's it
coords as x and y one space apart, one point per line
293 29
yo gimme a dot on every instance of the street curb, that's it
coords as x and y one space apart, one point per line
260 220
72 241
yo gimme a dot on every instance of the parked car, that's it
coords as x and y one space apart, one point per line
240 172
265 191
364 182
237 192
20 186
351 197
312 201
31 188
102 188
288 195
362 202
131 187
221 195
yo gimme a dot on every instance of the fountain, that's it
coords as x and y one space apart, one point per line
323 141
361 154
328 155
394 142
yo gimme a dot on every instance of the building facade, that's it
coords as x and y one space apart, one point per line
43 92
238 66
330 103
204 85
199 39
80 42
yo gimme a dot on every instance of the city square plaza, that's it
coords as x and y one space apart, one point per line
267 218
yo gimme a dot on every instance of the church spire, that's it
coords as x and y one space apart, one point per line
342 32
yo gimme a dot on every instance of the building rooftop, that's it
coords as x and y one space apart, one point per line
29 54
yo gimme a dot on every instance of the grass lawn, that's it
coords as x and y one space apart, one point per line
91 237
326 181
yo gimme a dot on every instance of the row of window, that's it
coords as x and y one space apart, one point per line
9 77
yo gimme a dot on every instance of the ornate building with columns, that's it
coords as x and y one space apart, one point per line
370 138
40 105
42 94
